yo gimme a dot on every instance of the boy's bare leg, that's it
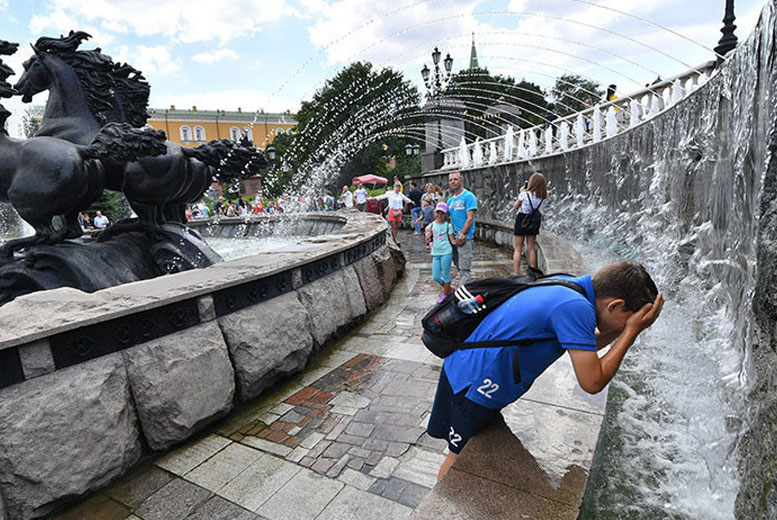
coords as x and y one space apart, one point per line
447 463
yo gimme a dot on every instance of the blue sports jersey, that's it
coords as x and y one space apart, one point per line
497 376
457 209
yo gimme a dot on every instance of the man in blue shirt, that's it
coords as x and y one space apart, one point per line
461 208
415 195
621 301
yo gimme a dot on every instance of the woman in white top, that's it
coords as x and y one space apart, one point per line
347 197
528 219
396 202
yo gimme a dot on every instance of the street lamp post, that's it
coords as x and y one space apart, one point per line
729 40
412 149
435 86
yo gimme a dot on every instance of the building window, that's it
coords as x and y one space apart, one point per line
278 131
186 134
249 133
199 133
234 133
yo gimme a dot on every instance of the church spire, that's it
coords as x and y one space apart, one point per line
473 56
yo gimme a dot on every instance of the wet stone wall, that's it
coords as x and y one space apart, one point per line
92 383
691 193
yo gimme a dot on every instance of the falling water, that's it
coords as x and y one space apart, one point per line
682 195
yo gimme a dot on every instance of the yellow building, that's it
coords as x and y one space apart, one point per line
194 127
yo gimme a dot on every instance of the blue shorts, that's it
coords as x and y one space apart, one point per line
456 418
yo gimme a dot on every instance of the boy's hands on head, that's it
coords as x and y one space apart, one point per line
646 316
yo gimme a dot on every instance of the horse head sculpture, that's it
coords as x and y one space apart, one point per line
86 89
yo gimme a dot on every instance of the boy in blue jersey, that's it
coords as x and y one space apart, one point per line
621 301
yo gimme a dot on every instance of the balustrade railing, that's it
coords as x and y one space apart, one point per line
574 131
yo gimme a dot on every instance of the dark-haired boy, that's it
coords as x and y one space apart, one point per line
621 301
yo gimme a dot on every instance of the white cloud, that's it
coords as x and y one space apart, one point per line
363 29
214 56
149 60
193 21
248 100
59 22
3 5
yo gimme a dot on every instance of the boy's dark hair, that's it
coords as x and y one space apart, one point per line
628 281
413 184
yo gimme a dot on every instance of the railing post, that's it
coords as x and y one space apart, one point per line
532 143
580 130
549 140
564 136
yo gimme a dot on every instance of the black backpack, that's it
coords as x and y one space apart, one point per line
442 341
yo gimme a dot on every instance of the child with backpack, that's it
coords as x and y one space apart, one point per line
518 339
440 233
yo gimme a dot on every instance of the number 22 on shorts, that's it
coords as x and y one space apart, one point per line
488 387
454 438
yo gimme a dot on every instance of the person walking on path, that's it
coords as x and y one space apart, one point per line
415 195
100 220
462 207
621 301
347 197
361 196
396 202
440 234
429 195
528 219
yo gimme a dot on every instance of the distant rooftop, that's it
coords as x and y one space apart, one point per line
220 113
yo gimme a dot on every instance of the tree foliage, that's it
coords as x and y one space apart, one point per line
112 204
30 123
573 93
479 90
346 124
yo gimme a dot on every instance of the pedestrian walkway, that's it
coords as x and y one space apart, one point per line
344 439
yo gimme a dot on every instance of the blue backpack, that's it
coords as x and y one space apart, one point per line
441 336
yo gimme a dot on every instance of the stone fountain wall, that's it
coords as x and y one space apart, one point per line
90 383
693 194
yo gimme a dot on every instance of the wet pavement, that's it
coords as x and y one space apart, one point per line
344 439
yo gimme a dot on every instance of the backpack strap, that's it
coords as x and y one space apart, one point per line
526 341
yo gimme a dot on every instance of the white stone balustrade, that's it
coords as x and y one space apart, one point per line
580 129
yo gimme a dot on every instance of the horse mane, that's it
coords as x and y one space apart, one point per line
103 81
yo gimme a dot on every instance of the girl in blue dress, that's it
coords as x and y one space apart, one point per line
440 234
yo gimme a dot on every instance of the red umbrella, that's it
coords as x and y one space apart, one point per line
370 179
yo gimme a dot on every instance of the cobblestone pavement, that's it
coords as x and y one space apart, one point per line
344 439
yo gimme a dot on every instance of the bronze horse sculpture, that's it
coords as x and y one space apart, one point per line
34 173
93 137
157 188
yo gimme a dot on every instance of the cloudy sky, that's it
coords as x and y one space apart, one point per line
272 54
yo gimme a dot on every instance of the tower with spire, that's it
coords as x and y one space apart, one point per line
473 56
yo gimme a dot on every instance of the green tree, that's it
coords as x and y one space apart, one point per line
274 179
479 90
30 123
113 205
346 123
573 93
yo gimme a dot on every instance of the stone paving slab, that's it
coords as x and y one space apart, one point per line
344 439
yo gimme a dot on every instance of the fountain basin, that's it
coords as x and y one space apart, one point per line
100 379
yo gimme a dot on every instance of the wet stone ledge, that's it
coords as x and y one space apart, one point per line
100 380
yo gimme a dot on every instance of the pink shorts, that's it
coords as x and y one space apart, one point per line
395 215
